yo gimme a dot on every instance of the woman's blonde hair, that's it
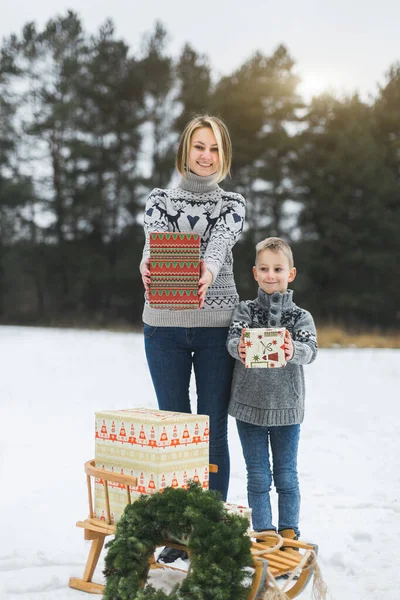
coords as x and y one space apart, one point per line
224 143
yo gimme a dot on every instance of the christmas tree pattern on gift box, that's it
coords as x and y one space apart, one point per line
160 448
174 270
265 347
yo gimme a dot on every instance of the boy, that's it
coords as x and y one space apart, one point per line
268 404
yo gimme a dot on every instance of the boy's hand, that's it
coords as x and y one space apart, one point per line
242 349
289 349
204 283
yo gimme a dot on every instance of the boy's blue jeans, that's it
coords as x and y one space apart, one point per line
283 441
171 353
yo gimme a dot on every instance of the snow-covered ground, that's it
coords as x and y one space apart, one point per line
52 382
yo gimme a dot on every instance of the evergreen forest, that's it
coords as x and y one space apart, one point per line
88 128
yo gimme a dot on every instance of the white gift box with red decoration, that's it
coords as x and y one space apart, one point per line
160 448
264 347
238 509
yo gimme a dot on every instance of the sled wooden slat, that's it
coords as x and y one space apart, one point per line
86 586
275 563
281 563
93 471
260 573
107 498
281 558
90 497
88 525
297 544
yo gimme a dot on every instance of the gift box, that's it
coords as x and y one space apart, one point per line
174 270
238 509
161 448
264 347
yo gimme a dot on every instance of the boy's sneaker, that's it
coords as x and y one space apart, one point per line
170 555
267 538
289 534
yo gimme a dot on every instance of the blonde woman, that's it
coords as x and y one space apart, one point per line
178 340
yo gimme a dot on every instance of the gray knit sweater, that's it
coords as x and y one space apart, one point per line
198 205
271 396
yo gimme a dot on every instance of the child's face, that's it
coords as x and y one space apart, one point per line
272 271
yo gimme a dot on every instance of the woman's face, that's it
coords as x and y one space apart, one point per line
203 153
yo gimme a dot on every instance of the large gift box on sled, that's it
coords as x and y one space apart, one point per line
161 448
174 270
264 347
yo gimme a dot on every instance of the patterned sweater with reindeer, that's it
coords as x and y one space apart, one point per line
199 205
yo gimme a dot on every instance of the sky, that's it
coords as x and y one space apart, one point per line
341 46
54 381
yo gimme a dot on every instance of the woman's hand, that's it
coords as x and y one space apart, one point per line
205 281
289 349
242 349
145 271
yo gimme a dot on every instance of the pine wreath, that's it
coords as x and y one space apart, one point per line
220 548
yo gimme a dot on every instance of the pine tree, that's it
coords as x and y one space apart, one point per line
347 222
16 194
259 103
193 72
160 91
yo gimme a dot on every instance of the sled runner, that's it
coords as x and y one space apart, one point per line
270 561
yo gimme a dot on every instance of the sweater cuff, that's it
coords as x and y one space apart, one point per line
232 346
300 354
213 267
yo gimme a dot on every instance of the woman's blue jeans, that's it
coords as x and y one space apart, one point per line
284 442
171 353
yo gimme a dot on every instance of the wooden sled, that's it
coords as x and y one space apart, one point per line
269 561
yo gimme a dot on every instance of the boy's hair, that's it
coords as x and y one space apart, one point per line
222 136
276 245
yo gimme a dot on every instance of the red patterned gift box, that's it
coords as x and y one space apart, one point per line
264 347
174 270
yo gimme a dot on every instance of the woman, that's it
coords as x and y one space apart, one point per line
177 340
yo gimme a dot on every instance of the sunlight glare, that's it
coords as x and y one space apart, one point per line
315 84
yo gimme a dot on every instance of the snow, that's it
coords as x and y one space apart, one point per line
54 380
